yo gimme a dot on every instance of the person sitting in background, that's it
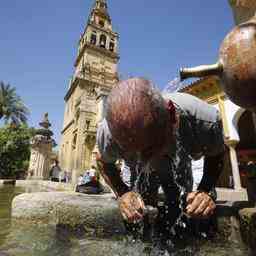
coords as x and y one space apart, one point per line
80 180
89 183
87 177
93 173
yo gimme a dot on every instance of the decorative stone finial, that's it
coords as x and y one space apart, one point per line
45 123
101 8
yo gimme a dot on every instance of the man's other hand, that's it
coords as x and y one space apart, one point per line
200 205
131 206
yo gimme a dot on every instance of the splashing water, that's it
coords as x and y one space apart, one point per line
145 170
173 86
182 198
177 178
141 187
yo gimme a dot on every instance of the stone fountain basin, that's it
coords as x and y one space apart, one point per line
99 215
93 213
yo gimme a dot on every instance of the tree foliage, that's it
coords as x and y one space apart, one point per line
12 107
14 149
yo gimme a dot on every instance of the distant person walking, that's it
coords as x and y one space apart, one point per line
55 172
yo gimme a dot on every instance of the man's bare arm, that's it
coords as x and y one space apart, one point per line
112 177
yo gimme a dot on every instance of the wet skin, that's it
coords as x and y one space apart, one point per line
131 204
199 204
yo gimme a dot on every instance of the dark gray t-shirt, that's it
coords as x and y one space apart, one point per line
199 134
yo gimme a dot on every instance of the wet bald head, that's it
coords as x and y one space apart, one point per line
137 115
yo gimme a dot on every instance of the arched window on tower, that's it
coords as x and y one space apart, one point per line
103 40
74 141
77 115
87 125
112 45
93 38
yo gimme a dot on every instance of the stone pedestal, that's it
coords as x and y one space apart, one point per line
248 227
41 151
231 195
238 193
40 158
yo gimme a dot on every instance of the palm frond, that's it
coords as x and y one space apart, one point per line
12 107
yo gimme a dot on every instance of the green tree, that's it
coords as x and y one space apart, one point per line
14 149
12 107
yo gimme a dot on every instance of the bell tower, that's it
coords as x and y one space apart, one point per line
97 50
94 76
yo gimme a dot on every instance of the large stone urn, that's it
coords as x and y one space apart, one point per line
235 66
243 10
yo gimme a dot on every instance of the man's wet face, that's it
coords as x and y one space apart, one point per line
147 154
156 150
153 152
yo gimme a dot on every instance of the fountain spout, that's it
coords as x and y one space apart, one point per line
201 71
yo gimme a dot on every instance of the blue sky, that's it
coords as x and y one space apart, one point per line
38 43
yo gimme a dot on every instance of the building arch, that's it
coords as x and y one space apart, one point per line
103 41
93 39
74 141
236 117
112 45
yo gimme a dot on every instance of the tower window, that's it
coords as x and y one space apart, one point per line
111 46
101 23
103 40
74 141
93 38
87 126
77 116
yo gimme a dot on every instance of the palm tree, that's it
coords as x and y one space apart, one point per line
12 107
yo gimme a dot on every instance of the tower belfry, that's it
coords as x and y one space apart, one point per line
100 9
98 39
94 76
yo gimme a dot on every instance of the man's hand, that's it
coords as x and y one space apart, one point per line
199 205
131 207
